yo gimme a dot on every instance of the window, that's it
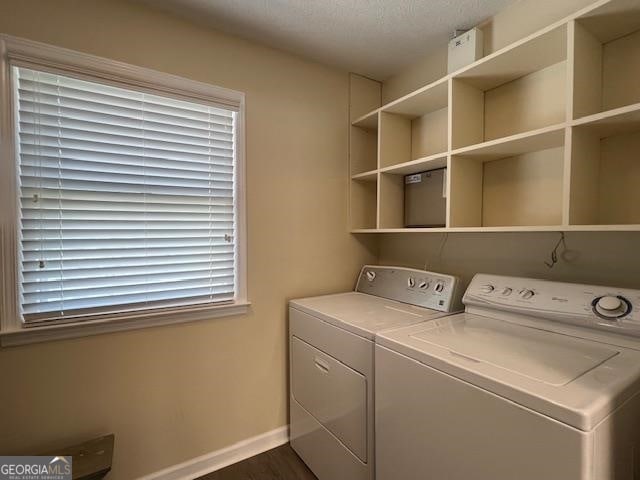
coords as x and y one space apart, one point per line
126 199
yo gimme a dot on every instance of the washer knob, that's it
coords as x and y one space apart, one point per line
507 291
609 303
411 282
527 294
611 307
487 288
371 275
423 285
439 287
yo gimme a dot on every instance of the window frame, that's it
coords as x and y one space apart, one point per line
39 56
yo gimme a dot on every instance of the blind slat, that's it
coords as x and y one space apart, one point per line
151 178
126 199
68 255
130 158
78 287
156 267
54 115
220 170
62 87
31 121
161 298
132 108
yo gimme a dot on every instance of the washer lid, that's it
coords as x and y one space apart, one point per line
363 314
551 359
578 381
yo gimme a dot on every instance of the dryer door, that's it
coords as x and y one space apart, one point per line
333 393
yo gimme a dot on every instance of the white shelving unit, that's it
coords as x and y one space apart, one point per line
542 135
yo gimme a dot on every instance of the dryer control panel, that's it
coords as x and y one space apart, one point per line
603 308
416 287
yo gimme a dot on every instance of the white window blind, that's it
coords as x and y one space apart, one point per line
126 199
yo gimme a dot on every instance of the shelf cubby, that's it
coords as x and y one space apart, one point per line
363 202
391 201
363 144
392 191
522 189
404 139
607 53
415 126
517 90
605 173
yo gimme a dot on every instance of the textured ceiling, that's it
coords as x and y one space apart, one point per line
376 38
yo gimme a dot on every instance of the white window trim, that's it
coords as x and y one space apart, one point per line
18 51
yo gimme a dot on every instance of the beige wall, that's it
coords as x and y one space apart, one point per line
173 393
596 258
515 22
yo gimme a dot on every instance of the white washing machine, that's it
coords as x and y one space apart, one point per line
536 380
331 341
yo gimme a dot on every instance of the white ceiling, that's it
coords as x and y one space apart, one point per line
376 38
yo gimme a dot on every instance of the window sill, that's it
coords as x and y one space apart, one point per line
22 336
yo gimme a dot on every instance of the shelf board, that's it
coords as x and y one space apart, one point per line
531 54
541 228
368 121
604 228
403 230
370 176
431 162
429 98
513 228
612 20
508 229
536 140
613 122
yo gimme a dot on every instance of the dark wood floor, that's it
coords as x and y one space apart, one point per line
281 463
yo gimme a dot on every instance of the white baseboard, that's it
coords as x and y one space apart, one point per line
210 462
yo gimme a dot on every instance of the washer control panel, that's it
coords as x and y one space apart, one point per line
604 308
415 287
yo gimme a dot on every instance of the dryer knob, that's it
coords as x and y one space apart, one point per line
487 288
371 275
411 282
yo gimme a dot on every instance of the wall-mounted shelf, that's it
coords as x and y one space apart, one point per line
429 98
529 55
439 160
511 229
366 176
536 140
613 122
541 135
368 121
